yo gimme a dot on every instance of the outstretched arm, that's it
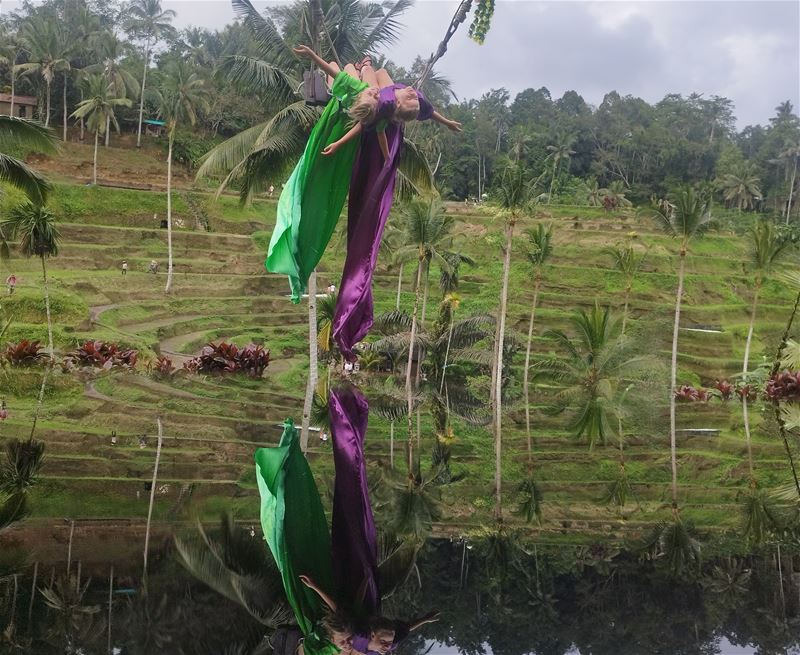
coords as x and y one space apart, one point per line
308 582
449 124
352 133
422 620
308 53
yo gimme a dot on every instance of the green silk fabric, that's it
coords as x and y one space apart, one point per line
311 201
296 531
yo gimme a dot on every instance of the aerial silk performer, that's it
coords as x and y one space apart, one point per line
296 531
353 533
371 195
311 201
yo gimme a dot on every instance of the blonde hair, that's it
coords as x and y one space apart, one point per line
363 109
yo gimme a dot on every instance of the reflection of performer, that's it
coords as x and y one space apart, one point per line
296 531
353 535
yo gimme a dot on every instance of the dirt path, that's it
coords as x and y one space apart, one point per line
97 310
91 392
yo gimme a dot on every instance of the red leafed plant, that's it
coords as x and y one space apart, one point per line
784 386
725 389
100 354
217 359
162 367
23 353
747 391
689 394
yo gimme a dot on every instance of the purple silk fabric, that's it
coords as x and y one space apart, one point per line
354 540
371 195
387 104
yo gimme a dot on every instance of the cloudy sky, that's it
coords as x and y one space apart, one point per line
748 51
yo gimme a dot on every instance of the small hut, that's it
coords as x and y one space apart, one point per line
23 105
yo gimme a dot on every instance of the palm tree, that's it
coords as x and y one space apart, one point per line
109 49
18 133
790 156
589 370
541 247
47 48
148 21
767 248
254 157
741 187
237 567
35 228
427 228
180 96
559 151
687 218
9 53
152 498
628 262
514 192
98 109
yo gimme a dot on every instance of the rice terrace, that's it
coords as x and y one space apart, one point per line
314 338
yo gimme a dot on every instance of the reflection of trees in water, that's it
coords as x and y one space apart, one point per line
514 597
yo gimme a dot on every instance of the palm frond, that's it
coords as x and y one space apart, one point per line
26 134
414 177
18 174
530 507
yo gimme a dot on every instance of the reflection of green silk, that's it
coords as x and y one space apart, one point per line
296 531
312 199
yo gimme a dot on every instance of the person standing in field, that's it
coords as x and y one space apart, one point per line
11 283
124 267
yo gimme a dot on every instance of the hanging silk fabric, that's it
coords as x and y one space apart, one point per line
312 199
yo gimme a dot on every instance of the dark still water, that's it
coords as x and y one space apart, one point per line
218 594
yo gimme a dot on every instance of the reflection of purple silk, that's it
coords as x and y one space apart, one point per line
353 536
371 191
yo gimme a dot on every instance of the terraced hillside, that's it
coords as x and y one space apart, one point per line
221 291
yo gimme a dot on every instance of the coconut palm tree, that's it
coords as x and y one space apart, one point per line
741 187
98 110
180 96
47 47
110 50
152 498
589 370
560 151
540 242
148 21
10 50
258 155
790 157
628 262
35 228
767 248
686 219
514 192
428 231
18 133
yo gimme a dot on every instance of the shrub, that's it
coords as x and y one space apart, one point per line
100 354
23 353
218 359
162 367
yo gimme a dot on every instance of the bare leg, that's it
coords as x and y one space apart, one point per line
383 78
368 75
351 70
335 66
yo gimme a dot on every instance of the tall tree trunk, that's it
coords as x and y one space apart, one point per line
447 349
409 364
168 288
50 350
422 318
791 190
150 507
391 445
552 183
13 86
399 287
47 116
110 605
498 405
625 307
33 594
108 131
313 370
64 102
69 545
526 370
745 414
673 380
94 167
82 123
141 95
